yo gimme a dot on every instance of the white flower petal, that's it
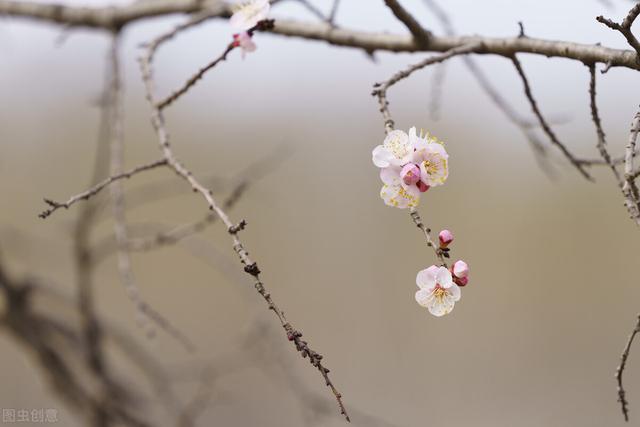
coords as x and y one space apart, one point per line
422 297
426 279
399 197
391 175
443 277
381 156
440 306
397 142
454 292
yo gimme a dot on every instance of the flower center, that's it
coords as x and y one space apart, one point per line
430 166
397 148
439 293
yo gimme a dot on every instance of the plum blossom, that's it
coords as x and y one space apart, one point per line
410 165
438 293
460 271
247 14
245 42
396 150
445 237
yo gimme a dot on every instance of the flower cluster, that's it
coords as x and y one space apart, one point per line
409 165
245 17
439 286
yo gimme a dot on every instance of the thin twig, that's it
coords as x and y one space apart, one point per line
625 28
620 370
525 126
331 19
629 188
595 116
85 195
380 89
417 220
233 229
543 123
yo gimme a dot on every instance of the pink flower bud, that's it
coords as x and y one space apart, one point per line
410 174
460 269
461 281
445 237
422 186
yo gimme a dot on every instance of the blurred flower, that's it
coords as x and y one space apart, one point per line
244 41
248 14
437 291
445 238
410 165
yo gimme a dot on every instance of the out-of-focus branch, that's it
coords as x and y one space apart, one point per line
543 122
419 33
625 28
144 311
380 89
331 19
630 188
525 125
94 394
595 116
233 229
620 370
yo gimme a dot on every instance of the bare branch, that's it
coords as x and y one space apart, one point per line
331 19
629 188
417 220
625 28
503 105
620 370
108 18
595 116
233 229
85 195
419 33
543 123
144 310
380 89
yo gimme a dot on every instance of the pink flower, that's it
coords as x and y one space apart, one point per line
409 165
244 41
460 271
438 293
445 237
410 174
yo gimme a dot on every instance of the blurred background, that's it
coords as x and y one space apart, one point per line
554 259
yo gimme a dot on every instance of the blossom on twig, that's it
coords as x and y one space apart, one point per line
409 165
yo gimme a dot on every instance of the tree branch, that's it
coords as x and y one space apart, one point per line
233 229
85 195
108 18
420 35
620 370
543 123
